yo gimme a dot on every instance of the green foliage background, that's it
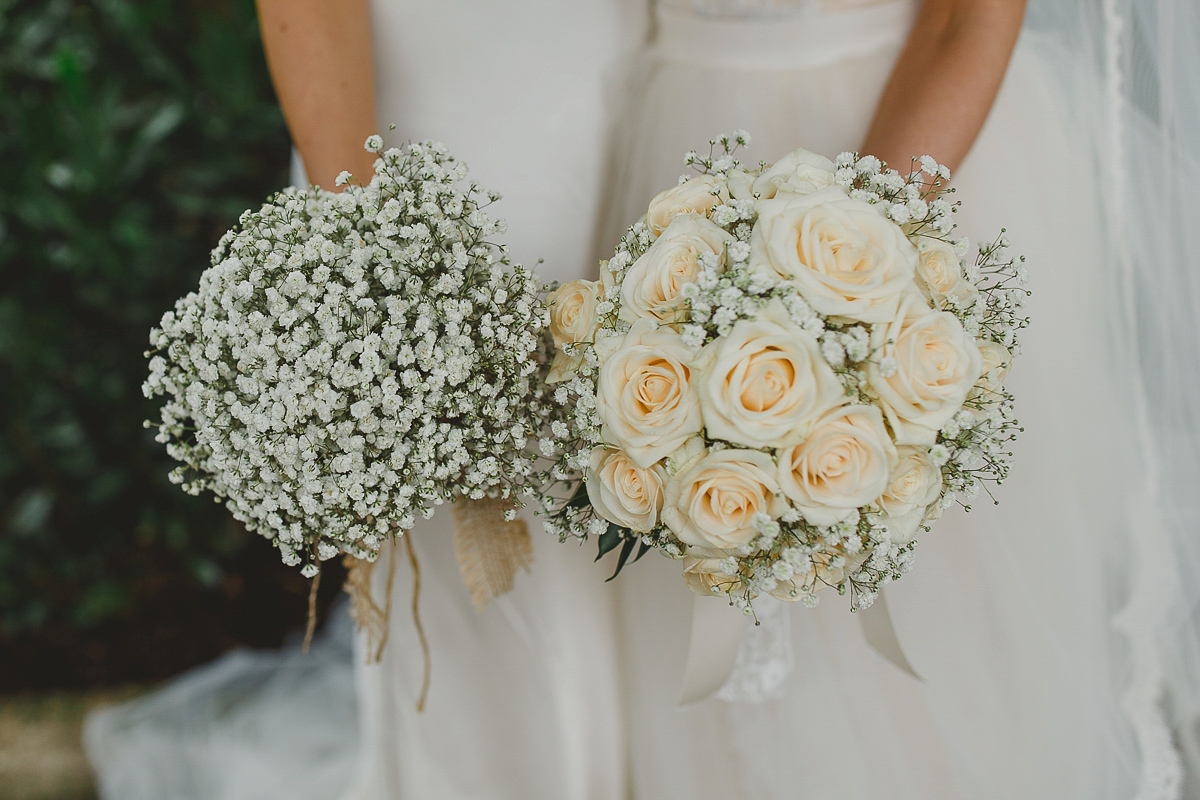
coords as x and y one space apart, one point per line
132 133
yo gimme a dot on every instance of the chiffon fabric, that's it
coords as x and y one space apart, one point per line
523 698
1010 613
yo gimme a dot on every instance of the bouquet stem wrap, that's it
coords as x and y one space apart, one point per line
719 628
489 550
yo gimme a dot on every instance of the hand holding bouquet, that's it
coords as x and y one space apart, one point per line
783 373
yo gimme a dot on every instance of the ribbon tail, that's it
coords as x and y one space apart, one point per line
880 633
489 549
717 631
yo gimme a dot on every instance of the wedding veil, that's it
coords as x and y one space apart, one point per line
1134 73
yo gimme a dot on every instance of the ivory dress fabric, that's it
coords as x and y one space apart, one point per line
1009 611
523 699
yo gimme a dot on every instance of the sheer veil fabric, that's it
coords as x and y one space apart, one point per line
1057 632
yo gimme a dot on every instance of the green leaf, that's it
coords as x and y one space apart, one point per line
645 548
579 498
626 550
608 540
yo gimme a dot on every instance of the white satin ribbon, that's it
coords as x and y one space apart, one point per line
880 633
718 630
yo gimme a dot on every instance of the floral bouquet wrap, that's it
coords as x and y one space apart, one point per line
350 361
783 374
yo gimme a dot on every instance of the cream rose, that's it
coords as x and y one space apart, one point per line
843 256
685 456
644 394
652 287
704 576
563 367
622 492
940 276
713 504
844 463
916 482
903 527
936 365
799 172
573 312
741 184
766 383
699 194
996 363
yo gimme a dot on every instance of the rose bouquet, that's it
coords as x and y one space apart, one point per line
350 361
783 373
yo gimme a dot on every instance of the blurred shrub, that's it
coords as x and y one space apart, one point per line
132 133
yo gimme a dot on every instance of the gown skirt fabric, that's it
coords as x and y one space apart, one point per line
1008 611
567 688
523 698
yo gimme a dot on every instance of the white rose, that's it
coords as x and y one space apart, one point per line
644 394
916 482
652 286
843 256
940 275
685 455
937 364
903 527
819 576
997 361
563 367
741 184
799 172
766 383
845 463
573 312
697 195
622 492
713 504
704 575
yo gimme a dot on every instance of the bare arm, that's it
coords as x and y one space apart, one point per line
319 54
944 83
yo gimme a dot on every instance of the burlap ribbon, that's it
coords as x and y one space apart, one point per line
489 550
718 630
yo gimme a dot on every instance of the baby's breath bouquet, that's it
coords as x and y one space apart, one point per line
350 361
783 373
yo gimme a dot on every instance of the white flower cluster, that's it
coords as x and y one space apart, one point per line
352 360
783 373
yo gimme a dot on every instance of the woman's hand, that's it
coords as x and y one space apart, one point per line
944 83
319 53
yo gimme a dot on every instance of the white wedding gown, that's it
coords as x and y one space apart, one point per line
566 689
1030 691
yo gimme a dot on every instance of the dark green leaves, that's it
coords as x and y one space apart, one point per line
625 539
132 133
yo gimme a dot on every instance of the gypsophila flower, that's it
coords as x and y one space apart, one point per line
325 378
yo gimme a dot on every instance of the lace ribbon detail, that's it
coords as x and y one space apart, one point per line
765 658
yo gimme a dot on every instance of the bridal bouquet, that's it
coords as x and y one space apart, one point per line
783 373
352 360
